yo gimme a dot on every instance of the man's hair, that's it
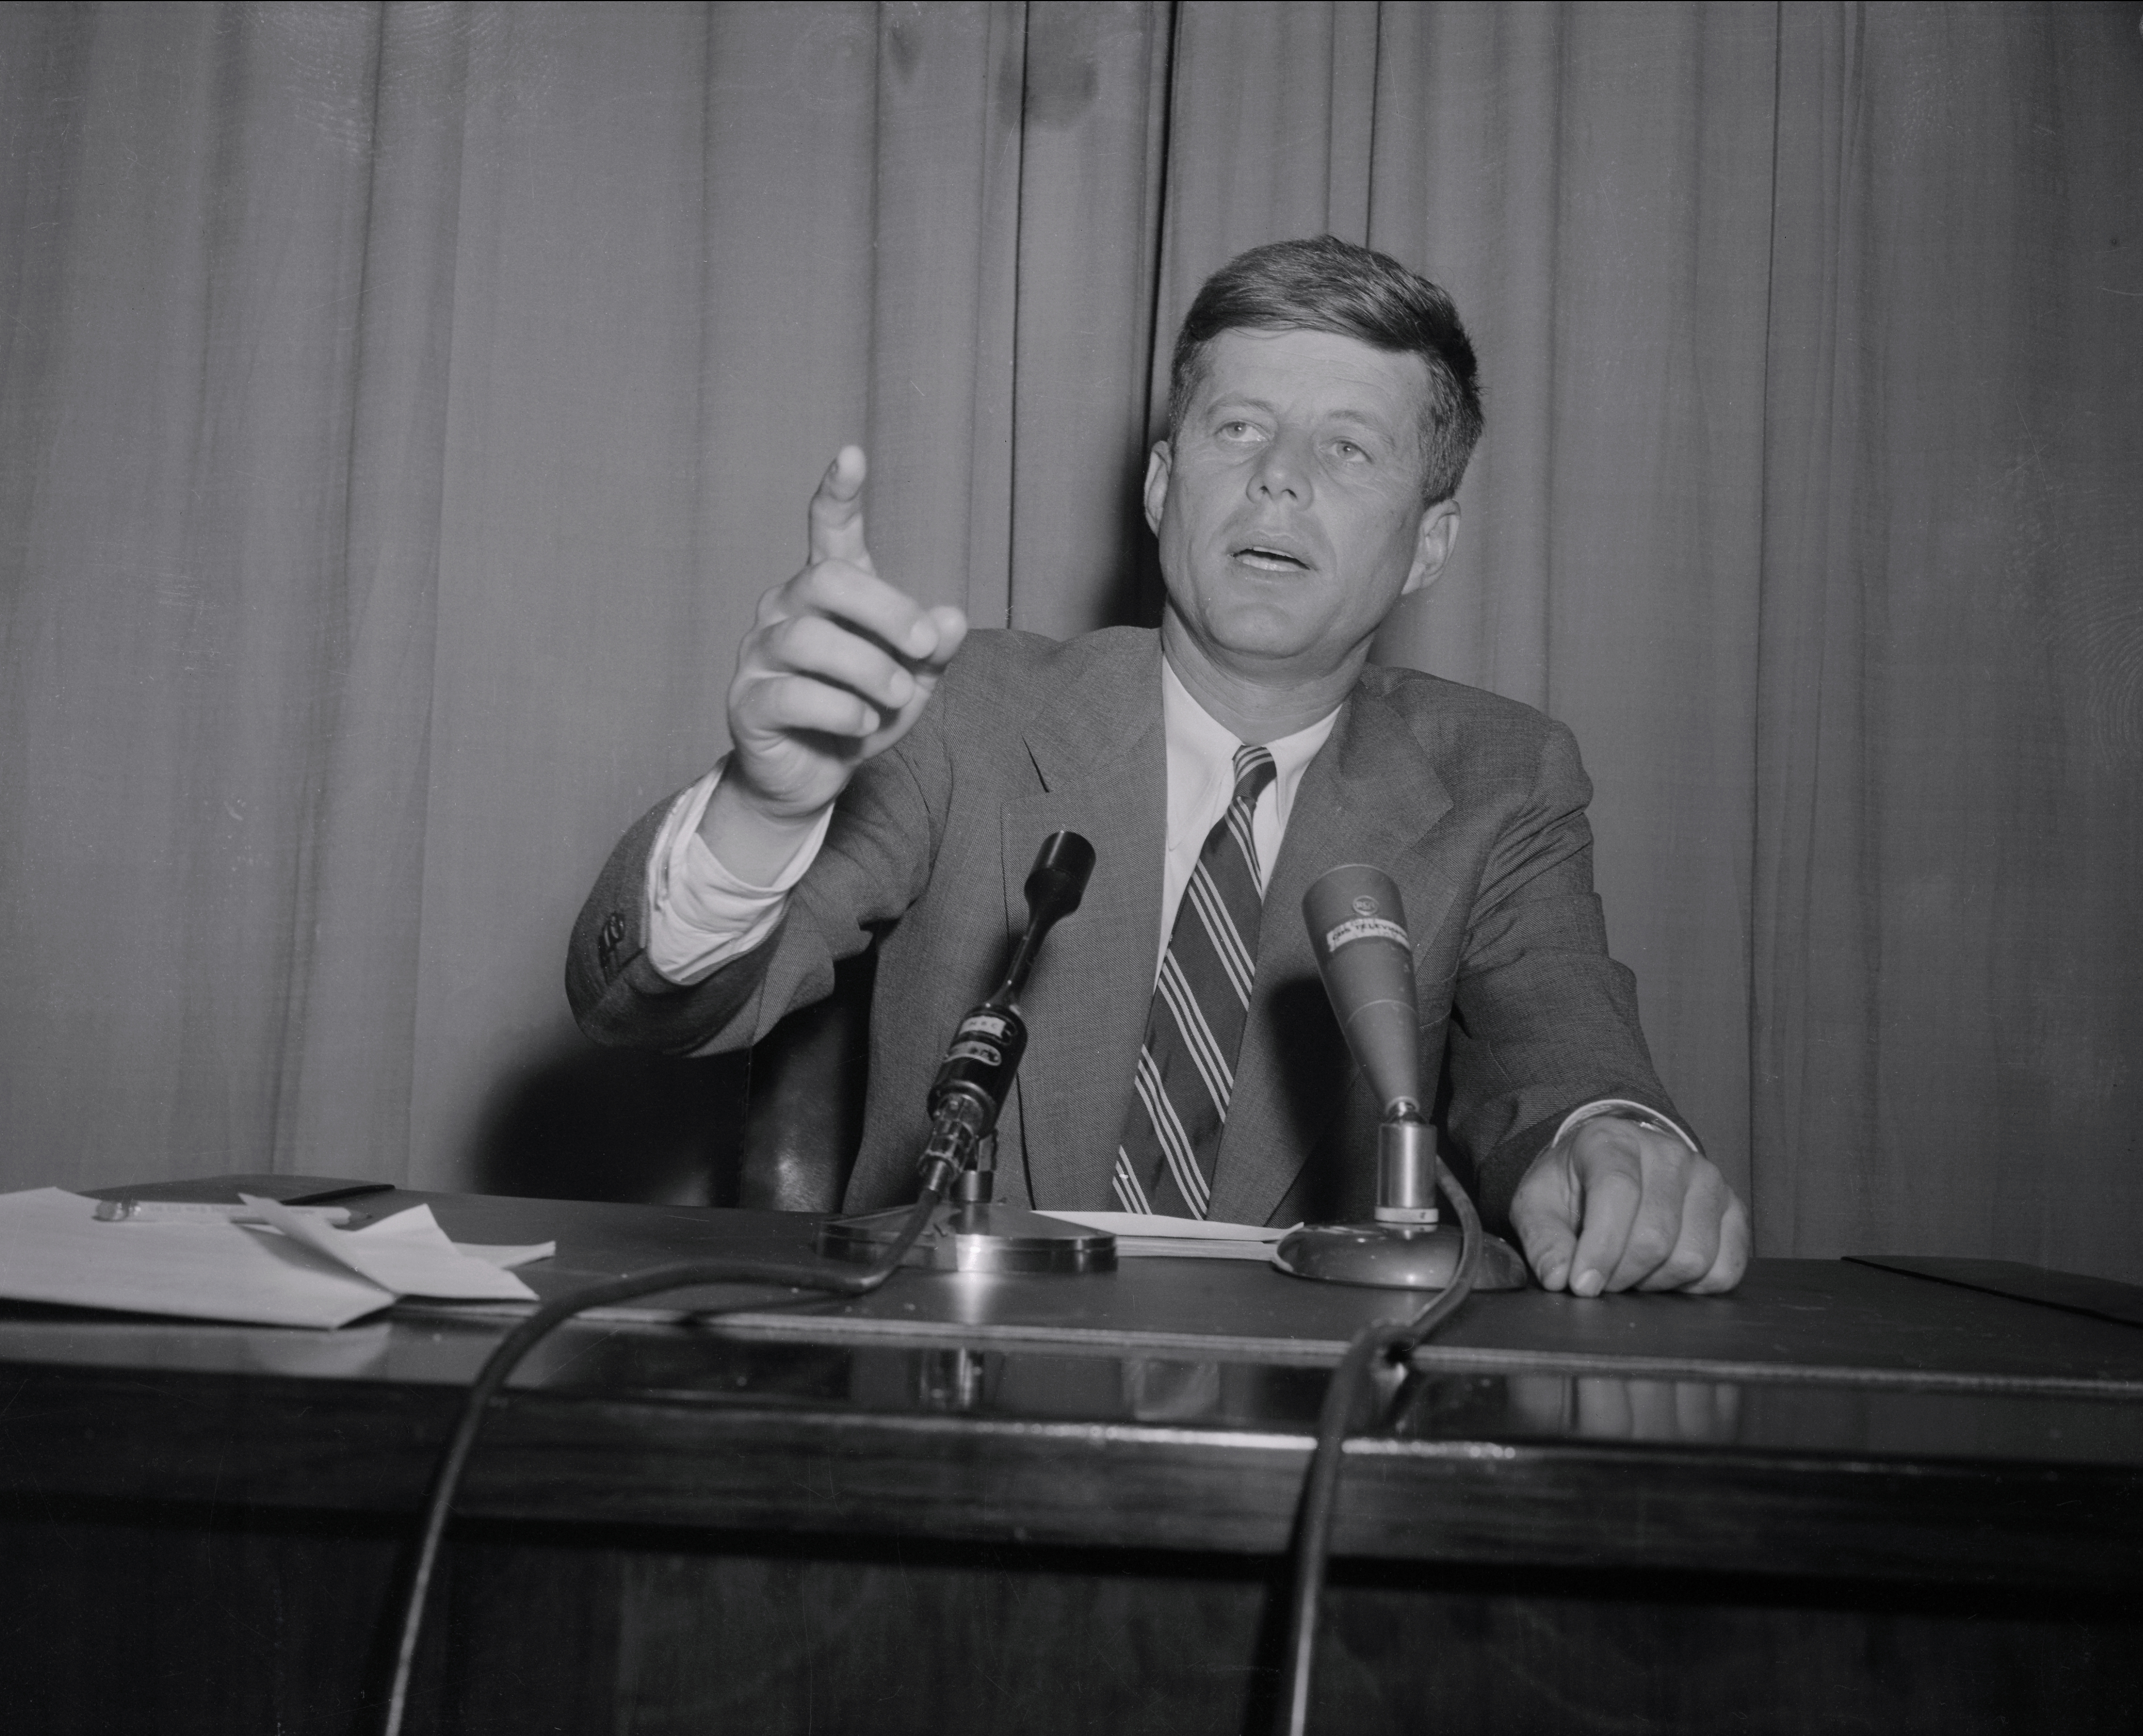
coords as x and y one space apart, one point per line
1330 285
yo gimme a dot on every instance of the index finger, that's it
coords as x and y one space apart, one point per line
1614 1189
862 600
837 512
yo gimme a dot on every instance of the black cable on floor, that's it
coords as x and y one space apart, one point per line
1383 1340
446 1479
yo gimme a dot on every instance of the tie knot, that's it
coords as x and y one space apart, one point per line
1254 770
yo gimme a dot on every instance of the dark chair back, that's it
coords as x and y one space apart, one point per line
803 1118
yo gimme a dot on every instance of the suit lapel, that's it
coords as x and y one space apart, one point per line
1371 795
1099 751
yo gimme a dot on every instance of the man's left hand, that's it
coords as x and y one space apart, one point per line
1618 1206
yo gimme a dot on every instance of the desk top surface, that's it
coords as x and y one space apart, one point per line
1806 1355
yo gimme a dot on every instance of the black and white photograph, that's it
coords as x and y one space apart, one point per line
1140 867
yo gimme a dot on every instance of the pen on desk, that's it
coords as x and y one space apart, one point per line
174 1211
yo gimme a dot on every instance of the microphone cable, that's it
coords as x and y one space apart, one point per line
1380 1341
446 1479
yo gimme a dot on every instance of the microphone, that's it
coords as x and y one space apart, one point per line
975 1078
969 1232
1357 931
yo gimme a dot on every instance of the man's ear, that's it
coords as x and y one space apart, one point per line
1158 463
1433 547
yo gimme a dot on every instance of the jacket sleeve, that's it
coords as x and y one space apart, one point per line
1542 1020
874 862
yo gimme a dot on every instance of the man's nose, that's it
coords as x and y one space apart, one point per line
1282 471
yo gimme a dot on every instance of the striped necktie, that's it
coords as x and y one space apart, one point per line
1187 1070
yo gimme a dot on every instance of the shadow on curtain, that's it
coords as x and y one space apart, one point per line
401 408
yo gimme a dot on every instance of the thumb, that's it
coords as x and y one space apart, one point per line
837 512
1547 1227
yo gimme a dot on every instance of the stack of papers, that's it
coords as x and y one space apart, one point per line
288 1269
1145 1235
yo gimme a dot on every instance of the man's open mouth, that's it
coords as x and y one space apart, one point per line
1265 556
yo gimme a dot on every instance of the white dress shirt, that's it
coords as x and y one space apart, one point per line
700 915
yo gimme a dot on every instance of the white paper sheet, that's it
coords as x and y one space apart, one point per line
408 1254
1151 1224
509 1254
1147 1235
297 1273
52 1249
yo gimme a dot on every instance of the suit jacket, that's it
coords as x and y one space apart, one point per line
1474 804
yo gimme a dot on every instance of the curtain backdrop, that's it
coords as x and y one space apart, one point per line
401 408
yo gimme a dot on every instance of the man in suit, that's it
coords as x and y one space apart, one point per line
891 775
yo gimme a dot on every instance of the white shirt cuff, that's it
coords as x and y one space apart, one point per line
699 915
1643 1111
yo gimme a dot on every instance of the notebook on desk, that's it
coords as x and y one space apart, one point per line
2107 1297
288 1190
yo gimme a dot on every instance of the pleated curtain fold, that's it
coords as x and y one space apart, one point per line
403 407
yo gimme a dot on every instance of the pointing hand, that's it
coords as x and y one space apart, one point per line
838 669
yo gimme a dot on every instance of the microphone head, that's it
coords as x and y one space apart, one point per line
1357 931
1057 881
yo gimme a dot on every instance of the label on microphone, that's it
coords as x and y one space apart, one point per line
1364 927
980 1062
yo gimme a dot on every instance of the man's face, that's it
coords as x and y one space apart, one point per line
1289 505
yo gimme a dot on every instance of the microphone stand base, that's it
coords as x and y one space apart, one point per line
1393 1257
975 1236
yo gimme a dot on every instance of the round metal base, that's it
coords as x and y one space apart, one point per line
975 1236
1392 1257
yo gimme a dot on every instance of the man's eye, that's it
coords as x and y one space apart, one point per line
1238 430
1348 450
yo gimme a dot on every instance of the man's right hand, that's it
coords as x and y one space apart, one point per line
839 668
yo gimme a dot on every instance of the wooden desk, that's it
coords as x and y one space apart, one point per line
1842 1499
